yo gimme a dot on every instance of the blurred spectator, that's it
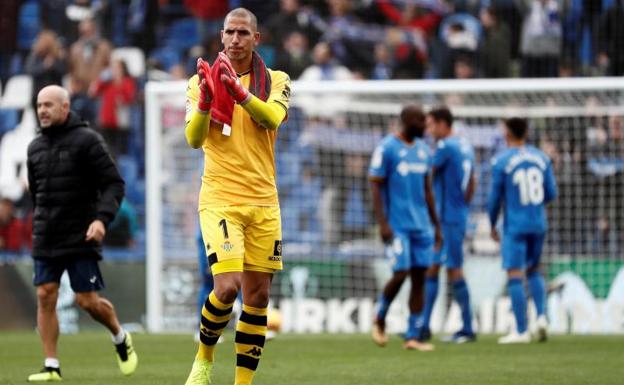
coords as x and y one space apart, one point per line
308 192
459 34
264 48
460 37
580 24
567 69
352 41
606 200
178 72
8 30
104 13
53 17
541 38
12 230
207 50
464 68
383 63
571 29
81 102
509 13
352 201
117 91
122 230
615 151
411 14
288 20
345 33
90 55
142 20
409 60
263 9
325 66
295 57
591 15
209 16
610 52
77 11
46 62
64 16
301 205
495 50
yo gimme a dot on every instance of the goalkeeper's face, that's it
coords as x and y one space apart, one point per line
239 38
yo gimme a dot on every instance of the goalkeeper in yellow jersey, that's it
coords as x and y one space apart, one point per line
234 109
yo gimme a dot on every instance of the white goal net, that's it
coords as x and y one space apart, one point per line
334 263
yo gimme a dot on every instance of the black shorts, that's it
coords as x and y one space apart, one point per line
84 273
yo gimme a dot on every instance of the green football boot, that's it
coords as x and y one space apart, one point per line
46 374
200 373
126 356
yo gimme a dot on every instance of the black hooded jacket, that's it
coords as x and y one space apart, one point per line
73 181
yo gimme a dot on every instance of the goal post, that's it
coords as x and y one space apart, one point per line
333 258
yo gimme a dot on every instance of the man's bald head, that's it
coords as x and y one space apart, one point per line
52 106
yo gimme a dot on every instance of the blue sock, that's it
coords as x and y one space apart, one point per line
384 305
518 303
462 296
431 293
537 288
414 324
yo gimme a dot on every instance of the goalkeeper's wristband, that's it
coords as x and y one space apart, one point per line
243 98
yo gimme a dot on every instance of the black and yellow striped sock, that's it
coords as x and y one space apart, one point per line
250 335
215 316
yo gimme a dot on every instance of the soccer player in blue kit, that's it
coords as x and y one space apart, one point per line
522 183
404 208
454 185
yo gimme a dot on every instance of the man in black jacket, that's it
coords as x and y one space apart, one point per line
76 190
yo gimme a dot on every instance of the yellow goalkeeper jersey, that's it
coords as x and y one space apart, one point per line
239 169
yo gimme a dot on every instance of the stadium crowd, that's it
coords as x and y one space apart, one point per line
83 44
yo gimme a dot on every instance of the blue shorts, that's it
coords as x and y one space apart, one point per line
522 251
451 254
409 251
84 273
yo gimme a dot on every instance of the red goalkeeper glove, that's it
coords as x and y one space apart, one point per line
231 81
206 86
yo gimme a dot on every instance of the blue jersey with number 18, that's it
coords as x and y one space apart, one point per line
522 182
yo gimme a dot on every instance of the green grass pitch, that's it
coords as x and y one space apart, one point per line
88 358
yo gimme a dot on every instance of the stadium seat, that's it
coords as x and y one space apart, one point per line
182 34
28 24
18 92
8 120
166 57
120 24
13 156
135 186
16 66
134 58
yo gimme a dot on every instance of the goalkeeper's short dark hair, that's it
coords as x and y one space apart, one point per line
441 113
518 127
